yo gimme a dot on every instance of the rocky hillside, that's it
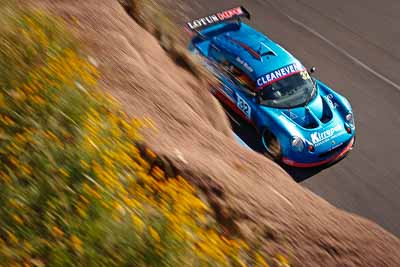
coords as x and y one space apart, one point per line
251 196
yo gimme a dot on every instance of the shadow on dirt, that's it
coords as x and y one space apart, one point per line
252 138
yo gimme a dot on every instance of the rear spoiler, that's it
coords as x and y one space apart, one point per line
204 22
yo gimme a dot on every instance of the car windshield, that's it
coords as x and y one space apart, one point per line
295 90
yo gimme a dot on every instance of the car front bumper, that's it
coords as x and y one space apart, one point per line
337 156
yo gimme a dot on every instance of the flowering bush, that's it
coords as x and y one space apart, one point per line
74 189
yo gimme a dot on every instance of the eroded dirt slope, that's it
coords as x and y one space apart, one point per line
251 195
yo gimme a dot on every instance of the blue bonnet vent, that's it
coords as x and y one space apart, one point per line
265 50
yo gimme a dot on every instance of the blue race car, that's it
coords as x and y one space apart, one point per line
301 121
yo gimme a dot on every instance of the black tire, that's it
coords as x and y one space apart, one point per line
271 145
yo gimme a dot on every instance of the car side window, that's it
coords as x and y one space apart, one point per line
220 61
244 82
237 76
216 54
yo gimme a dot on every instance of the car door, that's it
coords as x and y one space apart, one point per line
231 92
227 91
245 95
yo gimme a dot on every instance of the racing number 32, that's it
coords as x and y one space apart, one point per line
243 106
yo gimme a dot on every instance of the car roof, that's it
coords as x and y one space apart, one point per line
257 54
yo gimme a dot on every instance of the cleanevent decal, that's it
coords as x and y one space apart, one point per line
271 77
224 15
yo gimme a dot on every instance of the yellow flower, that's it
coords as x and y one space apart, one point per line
282 261
131 203
84 164
51 135
90 191
7 120
57 232
137 222
157 173
105 204
2 102
151 154
5 177
27 246
63 172
84 199
12 237
148 122
76 243
81 210
38 100
75 20
14 161
18 219
116 217
154 234
260 261
20 138
27 170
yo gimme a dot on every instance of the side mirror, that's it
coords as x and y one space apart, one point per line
313 69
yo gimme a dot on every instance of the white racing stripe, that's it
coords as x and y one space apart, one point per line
345 53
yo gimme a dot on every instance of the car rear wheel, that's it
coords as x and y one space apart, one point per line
271 145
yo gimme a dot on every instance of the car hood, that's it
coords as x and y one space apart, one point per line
320 123
311 116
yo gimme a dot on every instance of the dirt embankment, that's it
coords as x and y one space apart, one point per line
251 195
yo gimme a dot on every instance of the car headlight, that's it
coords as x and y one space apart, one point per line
350 119
297 144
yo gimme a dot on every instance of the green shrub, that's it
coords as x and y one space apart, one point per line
74 189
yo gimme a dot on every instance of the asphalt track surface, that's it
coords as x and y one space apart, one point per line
355 45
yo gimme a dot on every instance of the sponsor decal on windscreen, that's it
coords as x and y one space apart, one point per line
221 16
278 74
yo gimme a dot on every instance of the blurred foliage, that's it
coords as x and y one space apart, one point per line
74 189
